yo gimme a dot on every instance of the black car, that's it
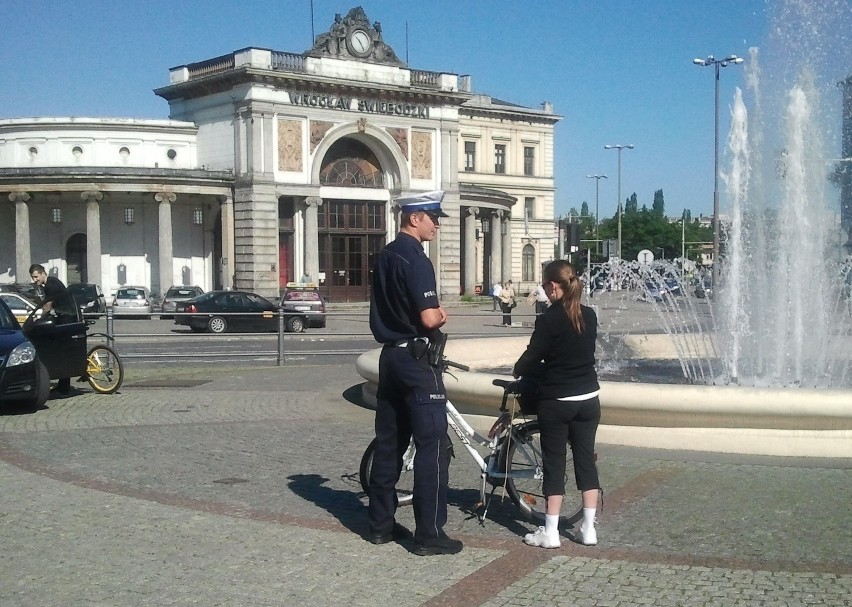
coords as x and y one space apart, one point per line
89 297
24 380
220 311
304 298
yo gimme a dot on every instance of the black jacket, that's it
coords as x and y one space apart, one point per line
563 358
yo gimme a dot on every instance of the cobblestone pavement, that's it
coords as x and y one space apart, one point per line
239 487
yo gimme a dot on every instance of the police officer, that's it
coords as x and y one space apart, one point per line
411 401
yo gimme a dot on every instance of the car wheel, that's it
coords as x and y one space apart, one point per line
295 324
217 324
42 388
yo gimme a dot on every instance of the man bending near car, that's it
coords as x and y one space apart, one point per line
48 289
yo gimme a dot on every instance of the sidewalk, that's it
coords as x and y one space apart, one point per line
239 486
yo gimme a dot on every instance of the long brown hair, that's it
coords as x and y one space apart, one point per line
562 273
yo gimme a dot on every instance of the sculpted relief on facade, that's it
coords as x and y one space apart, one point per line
401 137
318 130
289 145
421 155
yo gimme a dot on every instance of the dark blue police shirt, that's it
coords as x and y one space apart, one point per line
403 286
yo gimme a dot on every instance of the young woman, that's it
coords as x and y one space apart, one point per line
563 346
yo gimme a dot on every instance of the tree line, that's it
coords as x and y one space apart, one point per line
642 228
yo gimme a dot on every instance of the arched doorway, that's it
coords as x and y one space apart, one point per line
75 259
350 231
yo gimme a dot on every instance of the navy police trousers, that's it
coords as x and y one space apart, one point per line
410 402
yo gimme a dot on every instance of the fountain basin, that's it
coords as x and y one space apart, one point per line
725 419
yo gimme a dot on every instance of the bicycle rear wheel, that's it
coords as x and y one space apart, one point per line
104 370
520 457
405 486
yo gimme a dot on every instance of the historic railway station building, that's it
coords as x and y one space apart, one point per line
274 165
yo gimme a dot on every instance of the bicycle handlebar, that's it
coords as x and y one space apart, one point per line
449 363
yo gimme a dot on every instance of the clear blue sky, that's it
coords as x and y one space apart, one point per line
618 72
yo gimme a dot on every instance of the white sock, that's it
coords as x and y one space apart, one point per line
589 518
551 525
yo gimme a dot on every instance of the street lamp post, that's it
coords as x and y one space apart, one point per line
619 147
597 179
717 64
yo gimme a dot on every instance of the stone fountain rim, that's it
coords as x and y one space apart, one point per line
769 421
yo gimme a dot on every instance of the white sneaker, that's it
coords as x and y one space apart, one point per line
587 537
541 539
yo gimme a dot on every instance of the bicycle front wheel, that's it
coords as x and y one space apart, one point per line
405 486
104 369
521 458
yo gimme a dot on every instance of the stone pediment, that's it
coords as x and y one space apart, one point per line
354 38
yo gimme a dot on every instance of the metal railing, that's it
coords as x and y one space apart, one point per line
280 335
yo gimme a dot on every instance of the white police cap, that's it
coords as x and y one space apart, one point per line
429 202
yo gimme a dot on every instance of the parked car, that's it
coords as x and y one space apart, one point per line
89 297
220 311
651 291
132 302
23 378
672 286
28 289
304 297
174 295
20 305
704 288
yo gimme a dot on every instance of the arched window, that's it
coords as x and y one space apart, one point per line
351 163
528 263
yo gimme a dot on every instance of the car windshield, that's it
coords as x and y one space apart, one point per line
181 293
7 321
131 294
301 296
85 290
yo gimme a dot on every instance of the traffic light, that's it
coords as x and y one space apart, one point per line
572 237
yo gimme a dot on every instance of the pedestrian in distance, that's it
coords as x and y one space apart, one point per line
507 302
562 351
48 289
540 299
495 296
405 315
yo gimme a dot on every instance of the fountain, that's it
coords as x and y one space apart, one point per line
764 367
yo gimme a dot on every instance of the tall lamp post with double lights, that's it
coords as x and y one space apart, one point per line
619 147
717 64
597 179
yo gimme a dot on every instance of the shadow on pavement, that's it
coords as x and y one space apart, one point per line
354 396
343 505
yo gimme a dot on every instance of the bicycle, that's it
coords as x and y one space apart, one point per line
104 369
514 460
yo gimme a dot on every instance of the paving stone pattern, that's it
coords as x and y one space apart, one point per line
243 490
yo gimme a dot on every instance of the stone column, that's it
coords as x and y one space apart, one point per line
495 263
227 265
23 257
506 225
164 211
470 250
92 198
311 245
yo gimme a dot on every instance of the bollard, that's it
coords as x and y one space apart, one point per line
280 337
110 328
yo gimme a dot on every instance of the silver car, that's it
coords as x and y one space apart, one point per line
176 294
132 302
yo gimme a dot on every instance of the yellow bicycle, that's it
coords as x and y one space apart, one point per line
104 370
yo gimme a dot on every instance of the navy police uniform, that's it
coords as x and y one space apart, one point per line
411 400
